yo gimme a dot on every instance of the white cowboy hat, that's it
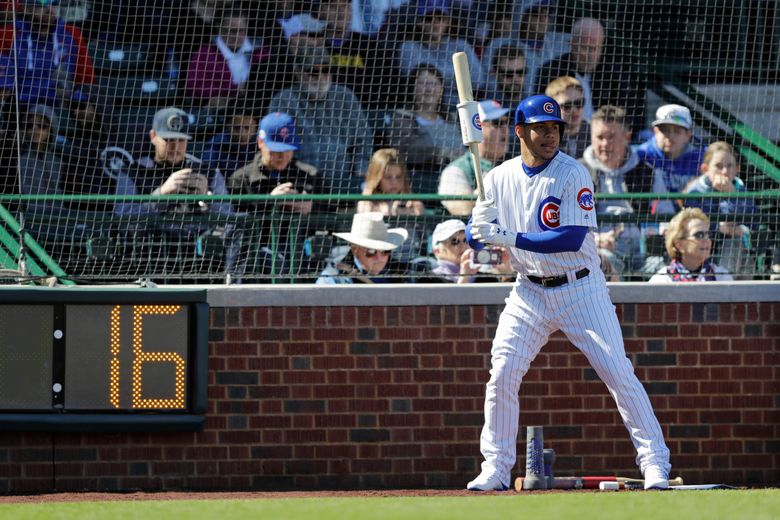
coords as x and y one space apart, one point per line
370 231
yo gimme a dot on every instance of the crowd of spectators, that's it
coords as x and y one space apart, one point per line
339 97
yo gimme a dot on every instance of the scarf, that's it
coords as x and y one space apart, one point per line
680 273
238 62
447 270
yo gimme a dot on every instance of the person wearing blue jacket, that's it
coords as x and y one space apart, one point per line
674 160
39 55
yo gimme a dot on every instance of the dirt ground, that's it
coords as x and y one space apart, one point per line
257 495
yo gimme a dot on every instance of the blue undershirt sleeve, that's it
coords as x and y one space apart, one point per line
558 240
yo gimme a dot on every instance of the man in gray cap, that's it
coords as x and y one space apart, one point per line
172 171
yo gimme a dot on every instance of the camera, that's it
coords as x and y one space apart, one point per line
486 256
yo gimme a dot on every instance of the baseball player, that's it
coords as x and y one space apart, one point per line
540 206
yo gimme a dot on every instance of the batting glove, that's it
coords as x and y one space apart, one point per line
493 234
484 212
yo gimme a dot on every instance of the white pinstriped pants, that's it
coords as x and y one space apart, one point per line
583 311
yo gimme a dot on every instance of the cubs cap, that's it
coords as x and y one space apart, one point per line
277 130
677 115
446 229
171 123
491 109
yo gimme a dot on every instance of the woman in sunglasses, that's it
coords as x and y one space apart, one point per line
689 246
569 94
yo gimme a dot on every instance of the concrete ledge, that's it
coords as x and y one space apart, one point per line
475 294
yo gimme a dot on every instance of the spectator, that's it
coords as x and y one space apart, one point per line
275 171
670 154
367 258
605 77
458 177
534 37
615 168
88 137
335 134
40 167
236 146
303 30
363 64
719 169
689 246
185 248
171 171
387 175
9 147
421 132
43 56
567 91
368 16
453 255
433 46
507 73
222 69
456 262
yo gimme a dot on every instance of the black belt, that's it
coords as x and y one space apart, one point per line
557 281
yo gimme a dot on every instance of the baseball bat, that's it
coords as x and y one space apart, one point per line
593 482
460 63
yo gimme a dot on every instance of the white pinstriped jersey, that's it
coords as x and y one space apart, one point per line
559 195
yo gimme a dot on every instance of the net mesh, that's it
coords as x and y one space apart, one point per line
92 188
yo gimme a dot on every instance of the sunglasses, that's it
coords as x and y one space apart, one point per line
569 105
510 72
700 235
371 253
454 241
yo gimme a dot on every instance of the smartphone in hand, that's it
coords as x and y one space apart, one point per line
487 256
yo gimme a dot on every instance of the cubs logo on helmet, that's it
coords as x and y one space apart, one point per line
549 216
585 199
549 108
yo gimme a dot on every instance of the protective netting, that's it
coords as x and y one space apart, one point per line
364 93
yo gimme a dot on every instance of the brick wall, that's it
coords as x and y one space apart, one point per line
376 397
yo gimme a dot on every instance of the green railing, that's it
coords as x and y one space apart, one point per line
86 247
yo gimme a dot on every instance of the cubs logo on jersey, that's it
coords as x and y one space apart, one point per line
549 215
585 199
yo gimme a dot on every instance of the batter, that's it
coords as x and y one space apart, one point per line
540 205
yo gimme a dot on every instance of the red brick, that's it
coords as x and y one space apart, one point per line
688 373
690 331
657 331
719 359
246 317
334 333
300 335
720 387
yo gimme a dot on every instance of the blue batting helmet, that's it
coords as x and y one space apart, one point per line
536 109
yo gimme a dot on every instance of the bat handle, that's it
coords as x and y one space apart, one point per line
477 171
